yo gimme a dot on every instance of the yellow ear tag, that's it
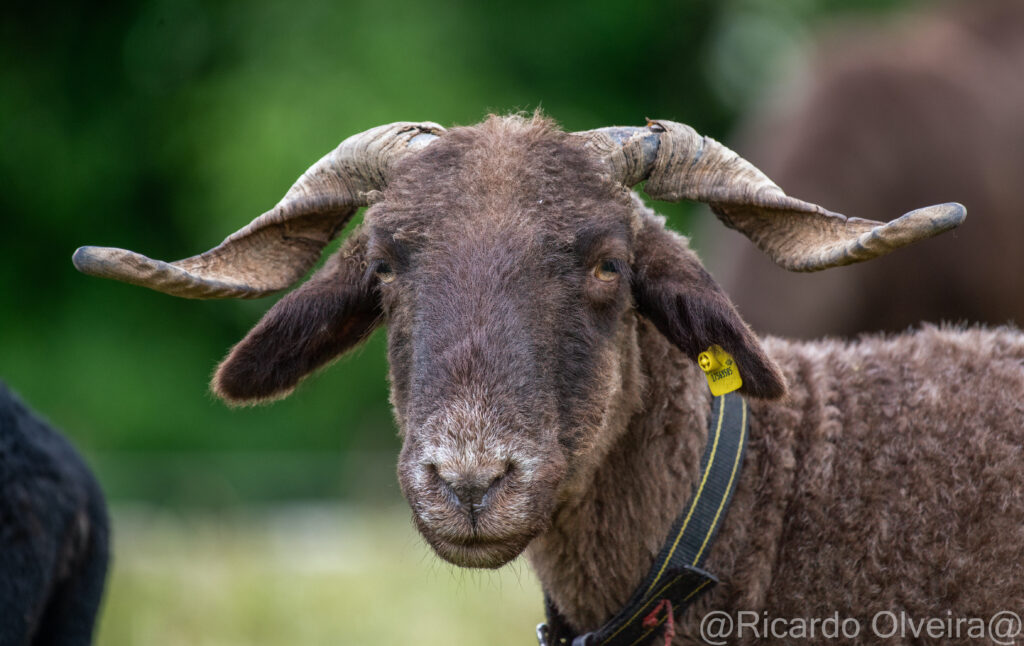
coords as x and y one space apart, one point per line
721 370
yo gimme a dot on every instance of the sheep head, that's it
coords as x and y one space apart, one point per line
511 264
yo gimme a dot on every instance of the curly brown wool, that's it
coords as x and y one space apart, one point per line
888 479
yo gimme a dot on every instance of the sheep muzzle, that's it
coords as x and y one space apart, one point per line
480 487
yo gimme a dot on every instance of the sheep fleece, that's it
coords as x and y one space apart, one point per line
888 479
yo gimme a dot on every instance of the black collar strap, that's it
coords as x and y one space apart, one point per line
676 579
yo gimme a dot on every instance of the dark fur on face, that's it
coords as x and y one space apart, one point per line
510 270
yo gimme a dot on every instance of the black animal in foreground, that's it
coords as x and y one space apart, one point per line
54 534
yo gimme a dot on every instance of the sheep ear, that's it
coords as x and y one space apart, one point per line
674 291
331 313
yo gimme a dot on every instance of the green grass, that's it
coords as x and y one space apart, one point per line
302 575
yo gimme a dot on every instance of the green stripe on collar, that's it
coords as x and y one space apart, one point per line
675 579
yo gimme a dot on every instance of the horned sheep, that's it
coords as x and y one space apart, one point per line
542 330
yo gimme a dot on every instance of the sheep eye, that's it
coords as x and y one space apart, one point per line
606 271
385 273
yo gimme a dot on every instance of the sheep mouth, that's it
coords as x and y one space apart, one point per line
479 552
474 548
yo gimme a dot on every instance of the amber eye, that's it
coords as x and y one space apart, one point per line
385 273
606 271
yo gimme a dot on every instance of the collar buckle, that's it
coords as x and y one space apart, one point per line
542 634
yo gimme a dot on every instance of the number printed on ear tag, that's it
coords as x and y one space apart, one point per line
720 369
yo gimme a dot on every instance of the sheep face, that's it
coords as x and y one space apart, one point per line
504 283
510 283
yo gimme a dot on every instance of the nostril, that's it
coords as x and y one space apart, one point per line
471 489
500 476
469 494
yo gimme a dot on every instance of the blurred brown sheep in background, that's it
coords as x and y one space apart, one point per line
926 109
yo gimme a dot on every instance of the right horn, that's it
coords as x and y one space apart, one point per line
273 251
680 164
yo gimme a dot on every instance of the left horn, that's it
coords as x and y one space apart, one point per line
273 251
680 164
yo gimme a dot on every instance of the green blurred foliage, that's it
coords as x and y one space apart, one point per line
164 125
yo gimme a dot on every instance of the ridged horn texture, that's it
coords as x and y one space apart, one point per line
276 249
680 164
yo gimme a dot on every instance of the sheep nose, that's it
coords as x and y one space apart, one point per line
471 486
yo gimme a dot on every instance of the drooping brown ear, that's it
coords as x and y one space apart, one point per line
674 291
331 313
